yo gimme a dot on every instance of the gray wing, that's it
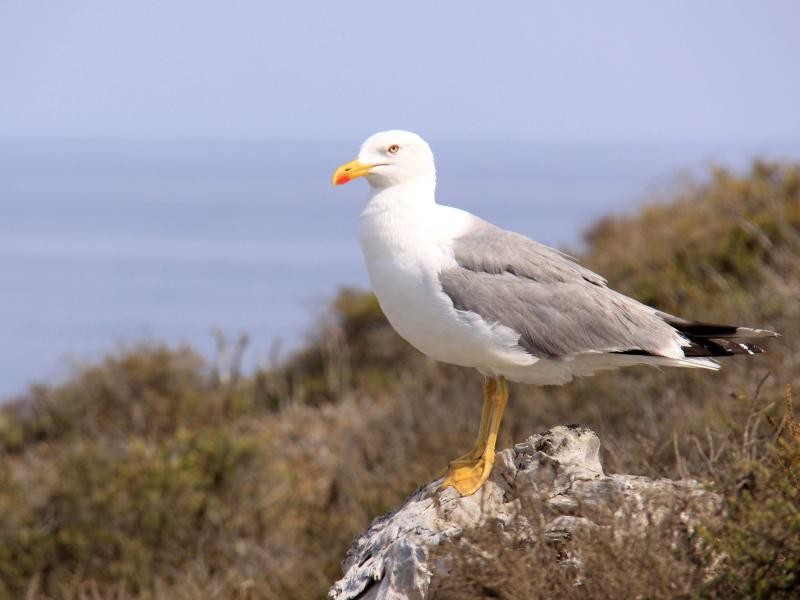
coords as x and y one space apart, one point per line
557 306
488 249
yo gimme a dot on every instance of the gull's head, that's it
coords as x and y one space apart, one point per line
390 158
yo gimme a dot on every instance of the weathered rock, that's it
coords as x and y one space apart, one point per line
558 472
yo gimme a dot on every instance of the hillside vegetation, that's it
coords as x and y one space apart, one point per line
156 474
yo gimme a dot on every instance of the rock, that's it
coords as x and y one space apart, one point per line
557 472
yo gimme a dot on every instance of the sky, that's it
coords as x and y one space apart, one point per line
187 69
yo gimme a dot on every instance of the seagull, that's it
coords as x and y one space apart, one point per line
466 292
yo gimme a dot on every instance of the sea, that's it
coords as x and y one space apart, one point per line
107 243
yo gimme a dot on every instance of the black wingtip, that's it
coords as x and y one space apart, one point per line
719 347
701 329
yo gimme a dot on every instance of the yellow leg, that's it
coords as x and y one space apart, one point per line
467 474
489 390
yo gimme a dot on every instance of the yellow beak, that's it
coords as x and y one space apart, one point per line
350 171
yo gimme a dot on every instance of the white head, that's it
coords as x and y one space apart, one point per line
390 158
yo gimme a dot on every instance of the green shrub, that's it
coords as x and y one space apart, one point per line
125 511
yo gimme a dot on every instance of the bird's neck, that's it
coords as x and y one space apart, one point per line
416 195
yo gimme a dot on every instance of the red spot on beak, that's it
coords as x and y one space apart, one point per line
342 179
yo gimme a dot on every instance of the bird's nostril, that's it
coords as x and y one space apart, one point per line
348 169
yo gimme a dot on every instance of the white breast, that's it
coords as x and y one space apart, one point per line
405 246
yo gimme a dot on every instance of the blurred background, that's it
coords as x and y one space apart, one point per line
165 175
164 167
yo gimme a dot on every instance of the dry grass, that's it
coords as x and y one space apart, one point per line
157 475
596 563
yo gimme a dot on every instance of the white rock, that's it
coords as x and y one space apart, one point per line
558 470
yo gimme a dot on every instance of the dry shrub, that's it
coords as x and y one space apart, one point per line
250 505
722 249
598 562
759 542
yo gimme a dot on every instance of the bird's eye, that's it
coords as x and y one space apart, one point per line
393 149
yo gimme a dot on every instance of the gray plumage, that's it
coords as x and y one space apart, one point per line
488 249
560 308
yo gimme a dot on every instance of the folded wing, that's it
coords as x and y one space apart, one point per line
561 309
